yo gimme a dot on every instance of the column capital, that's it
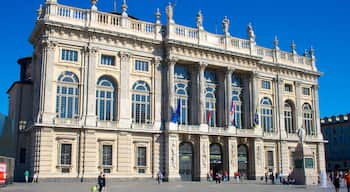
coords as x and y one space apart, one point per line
49 44
124 56
315 86
297 84
203 65
157 59
230 70
91 50
172 60
256 74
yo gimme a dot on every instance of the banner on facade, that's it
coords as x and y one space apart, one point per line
2 173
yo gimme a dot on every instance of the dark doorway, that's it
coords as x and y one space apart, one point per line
243 160
186 161
216 158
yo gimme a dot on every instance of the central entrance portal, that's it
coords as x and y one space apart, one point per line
216 159
186 161
243 160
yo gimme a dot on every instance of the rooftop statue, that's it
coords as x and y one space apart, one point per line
251 33
170 13
200 20
225 25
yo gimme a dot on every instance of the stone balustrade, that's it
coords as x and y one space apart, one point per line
99 20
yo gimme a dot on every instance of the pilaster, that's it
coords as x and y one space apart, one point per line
228 104
156 155
298 106
91 86
202 84
232 157
316 112
257 162
283 158
255 103
321 160
124 114
48 58
204 156
171 84
172 157
157 81
280 105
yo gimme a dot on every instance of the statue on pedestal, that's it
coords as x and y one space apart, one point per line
170 13
225 25
301 135
199 20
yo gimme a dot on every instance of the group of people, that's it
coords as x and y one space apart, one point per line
337 177
27 175
286 181
218 177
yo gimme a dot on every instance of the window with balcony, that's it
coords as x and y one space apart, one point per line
182 94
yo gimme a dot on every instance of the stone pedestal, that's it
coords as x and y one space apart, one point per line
304 171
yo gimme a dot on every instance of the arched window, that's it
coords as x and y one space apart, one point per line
236 102
210 95
307 119
288 117
266 115
141 103
182 91
106 99
67 97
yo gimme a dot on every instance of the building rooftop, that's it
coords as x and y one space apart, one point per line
335 119
127 26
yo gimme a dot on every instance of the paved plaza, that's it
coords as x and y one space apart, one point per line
154 187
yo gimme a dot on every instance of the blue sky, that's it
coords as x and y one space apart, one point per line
323 24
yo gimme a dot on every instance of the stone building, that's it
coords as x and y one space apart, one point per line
131 98
336 130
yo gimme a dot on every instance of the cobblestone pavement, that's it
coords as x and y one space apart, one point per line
154 187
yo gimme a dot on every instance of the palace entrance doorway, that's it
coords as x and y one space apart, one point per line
186 161
243 160
216 158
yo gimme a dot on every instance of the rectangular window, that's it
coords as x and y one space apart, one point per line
266 84
66 154
288 88
108 60
22 155
306 91
107 155
141 156
141 66
69 55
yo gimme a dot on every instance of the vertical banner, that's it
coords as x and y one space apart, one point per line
2 173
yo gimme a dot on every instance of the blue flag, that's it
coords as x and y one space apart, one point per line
176 115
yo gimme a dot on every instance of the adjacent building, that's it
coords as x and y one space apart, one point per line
336 130
112 93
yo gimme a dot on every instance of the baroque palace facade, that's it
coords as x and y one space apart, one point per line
131 98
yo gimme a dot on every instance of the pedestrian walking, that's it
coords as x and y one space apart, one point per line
266 177
100 182
35 178
347 180
336 182
26 175
160 177
104 188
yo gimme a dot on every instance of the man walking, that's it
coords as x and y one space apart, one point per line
347 180
26 175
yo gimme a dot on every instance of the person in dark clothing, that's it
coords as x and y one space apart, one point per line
101 182
336 182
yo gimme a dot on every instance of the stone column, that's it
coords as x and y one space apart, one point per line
283 158
232 157
195 96
124 113
171 90
255 102
316 112
279 109
220 101
228 104
91 87
298 106
204 156
321 158
47 109
172 157
202 85
157 81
